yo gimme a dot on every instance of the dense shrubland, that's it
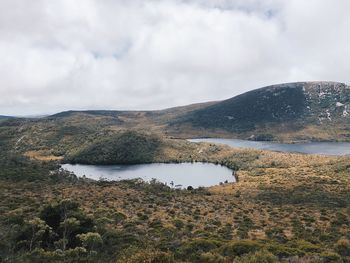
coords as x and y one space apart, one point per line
285 207
127 148
50 215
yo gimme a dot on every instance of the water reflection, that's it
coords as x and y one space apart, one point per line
179 175
324 148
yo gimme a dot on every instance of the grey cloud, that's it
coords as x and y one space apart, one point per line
90 54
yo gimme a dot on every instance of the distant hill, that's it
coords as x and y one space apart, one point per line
154 114
313 111
2 117
70 113
274 109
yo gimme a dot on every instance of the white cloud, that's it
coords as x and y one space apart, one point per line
90 54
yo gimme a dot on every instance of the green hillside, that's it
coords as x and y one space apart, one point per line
125 148
292 111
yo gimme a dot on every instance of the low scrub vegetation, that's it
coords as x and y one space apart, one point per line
284 208
125 148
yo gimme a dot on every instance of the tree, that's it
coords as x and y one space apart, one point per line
90 240
67 220
15 224
68 226
54 214
38 230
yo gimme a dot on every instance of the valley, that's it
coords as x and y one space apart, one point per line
283 207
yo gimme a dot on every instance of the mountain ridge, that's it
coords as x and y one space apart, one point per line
295 105
305 86
289 112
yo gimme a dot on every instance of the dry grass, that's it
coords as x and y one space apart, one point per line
42 156
229 203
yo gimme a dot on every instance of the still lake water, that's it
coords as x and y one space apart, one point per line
199 174
181 174
324 148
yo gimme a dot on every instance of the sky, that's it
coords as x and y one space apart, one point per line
138 54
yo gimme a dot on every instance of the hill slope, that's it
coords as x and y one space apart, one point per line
2 117
277 109
287 112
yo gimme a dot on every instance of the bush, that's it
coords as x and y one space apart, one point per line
179 224
67 220
330 257
76 255
193 249
284 250
91 241
238 248
210 257
308 247
149 256
262 256
343 247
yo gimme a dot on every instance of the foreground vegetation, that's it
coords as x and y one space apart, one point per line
284 208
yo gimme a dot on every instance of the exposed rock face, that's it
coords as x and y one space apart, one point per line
328 101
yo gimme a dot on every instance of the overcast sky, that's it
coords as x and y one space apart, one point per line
139 54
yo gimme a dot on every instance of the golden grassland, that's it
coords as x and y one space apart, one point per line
293 205
279 197
42 156
282 133
258 172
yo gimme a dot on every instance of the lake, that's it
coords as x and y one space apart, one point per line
324 148
181 175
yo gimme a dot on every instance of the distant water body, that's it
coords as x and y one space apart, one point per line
323 148
179 175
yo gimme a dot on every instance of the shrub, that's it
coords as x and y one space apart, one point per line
343 247
262 256
307 246
284 250
330 257
210 257
91 241
238 248
194 248
179 224
149 256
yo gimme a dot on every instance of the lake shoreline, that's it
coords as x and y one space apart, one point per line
184 175
272 141
320 148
